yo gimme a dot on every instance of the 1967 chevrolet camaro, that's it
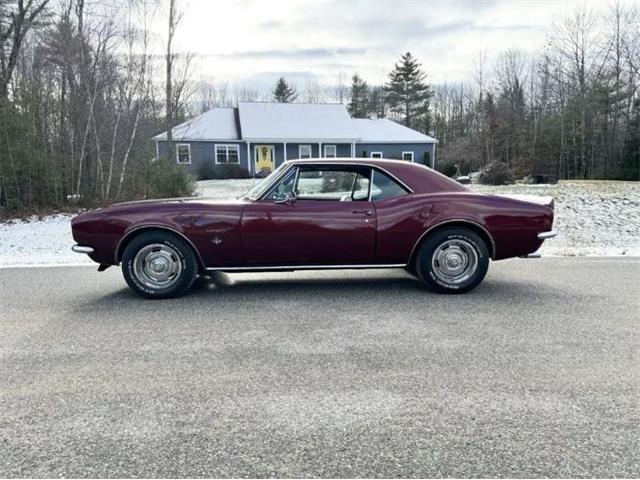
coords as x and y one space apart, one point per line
318 214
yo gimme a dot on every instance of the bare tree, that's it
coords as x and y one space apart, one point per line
14 26
174 18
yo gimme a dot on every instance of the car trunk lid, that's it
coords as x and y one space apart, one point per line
547 201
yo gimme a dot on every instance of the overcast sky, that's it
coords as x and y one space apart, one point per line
254 42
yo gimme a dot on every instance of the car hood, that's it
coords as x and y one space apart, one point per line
173 205
181 201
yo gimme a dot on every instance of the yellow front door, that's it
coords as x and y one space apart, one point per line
265 161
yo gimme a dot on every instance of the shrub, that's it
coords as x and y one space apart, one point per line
208 171
166 179
337 182
447 168
496 173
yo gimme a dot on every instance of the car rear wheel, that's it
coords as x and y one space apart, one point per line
452 260
159 265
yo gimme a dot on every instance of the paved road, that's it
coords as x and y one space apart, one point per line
536 373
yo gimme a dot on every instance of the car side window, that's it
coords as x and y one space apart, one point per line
337 184
383 187
284 189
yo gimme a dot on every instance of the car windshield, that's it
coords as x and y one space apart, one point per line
257 191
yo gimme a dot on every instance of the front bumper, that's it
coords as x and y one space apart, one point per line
82 249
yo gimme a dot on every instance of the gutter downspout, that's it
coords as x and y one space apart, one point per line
433 160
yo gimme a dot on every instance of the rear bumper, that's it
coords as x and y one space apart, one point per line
541 236
82 249
546 235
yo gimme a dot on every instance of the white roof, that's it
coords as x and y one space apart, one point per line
301 122
216 124
295 121
382 130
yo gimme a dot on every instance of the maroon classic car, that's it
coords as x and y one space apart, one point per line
318 214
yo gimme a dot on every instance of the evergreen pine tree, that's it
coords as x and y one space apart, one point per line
358 106
408 94
376 102
631 154
283 93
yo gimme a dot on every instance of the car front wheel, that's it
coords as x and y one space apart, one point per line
159 265
452 260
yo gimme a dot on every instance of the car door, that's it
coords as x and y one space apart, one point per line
316 215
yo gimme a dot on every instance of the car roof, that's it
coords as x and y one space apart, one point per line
418 178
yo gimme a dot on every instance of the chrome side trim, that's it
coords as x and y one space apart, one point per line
549 234
155 227
453 220
307 267
82 249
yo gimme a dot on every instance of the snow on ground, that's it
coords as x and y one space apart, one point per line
592 218
226 188
33 242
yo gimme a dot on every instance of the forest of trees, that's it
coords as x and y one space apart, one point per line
81 96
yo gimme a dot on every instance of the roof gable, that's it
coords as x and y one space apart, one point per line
215 124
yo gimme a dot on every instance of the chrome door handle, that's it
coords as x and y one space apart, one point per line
368 213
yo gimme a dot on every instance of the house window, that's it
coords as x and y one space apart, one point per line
330 151
408 156
183 153
376 154
304 151
227 154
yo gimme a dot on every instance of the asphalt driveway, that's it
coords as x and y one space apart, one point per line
535 373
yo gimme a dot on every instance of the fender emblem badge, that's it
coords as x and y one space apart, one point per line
216 240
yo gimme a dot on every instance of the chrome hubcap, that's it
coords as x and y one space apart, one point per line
454 261
157 266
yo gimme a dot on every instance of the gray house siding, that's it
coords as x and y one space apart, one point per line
342 149
393 151
203 153
293 150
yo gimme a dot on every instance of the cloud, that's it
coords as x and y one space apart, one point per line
243 40
308 53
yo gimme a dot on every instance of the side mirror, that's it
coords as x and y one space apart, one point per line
286 199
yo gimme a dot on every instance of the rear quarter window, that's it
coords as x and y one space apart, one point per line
384 187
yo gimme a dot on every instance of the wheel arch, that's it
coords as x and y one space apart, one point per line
457 222
137 231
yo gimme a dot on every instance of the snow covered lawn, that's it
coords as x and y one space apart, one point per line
226 188
592 218
33 242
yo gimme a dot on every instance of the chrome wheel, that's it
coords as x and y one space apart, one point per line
454 261
157 266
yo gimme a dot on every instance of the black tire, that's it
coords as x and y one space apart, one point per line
449 251
411 270
167 249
